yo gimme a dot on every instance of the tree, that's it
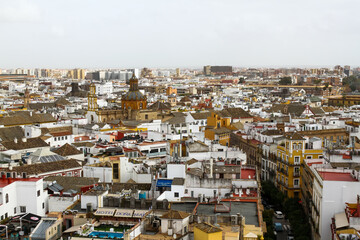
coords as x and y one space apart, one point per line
351 82
285 81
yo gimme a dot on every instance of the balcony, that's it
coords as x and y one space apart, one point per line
282 183
296 174
156 154
282 170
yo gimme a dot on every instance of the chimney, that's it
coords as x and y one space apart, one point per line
15 140
30 114
24 139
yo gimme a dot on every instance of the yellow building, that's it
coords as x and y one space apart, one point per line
290 157
206 231
171 91
76 74
218 128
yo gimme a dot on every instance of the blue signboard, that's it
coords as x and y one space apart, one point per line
164 183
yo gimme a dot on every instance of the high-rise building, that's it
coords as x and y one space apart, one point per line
207 70
178 72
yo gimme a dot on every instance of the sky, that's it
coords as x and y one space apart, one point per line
178 33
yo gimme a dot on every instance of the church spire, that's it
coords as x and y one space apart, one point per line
134 83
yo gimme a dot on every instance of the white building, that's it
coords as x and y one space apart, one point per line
331 190
104 88
13 200
175 222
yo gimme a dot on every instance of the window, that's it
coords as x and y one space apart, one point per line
28 134
296 182
116 171
176 194
297 160
38 193
23 209
43 205
14 210
7 198
146 116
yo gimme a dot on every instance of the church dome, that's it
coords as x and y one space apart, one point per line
133 96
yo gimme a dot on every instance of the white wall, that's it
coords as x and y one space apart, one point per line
60 203
17 190
334 196
175 171
103 173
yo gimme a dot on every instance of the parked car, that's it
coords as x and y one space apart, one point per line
278 227
279 215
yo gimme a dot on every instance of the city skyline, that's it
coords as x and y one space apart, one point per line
164 34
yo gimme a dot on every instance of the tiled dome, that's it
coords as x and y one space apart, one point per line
133 96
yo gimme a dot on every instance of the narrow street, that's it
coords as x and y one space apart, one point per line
285 223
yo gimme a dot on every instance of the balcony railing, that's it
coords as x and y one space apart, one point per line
296 174
154 154
282 170
282 183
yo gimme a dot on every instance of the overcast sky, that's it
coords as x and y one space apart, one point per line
178 33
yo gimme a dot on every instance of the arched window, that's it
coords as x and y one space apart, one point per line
7 198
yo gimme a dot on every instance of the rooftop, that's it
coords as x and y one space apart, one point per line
337 176
247 209
6 181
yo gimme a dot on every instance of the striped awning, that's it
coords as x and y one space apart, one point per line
105 212
139 213
124 213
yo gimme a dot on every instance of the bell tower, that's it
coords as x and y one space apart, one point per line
134 83
92 99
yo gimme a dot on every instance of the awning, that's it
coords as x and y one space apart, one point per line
139 213
164 183
341 220
124 213
73 229
105 212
